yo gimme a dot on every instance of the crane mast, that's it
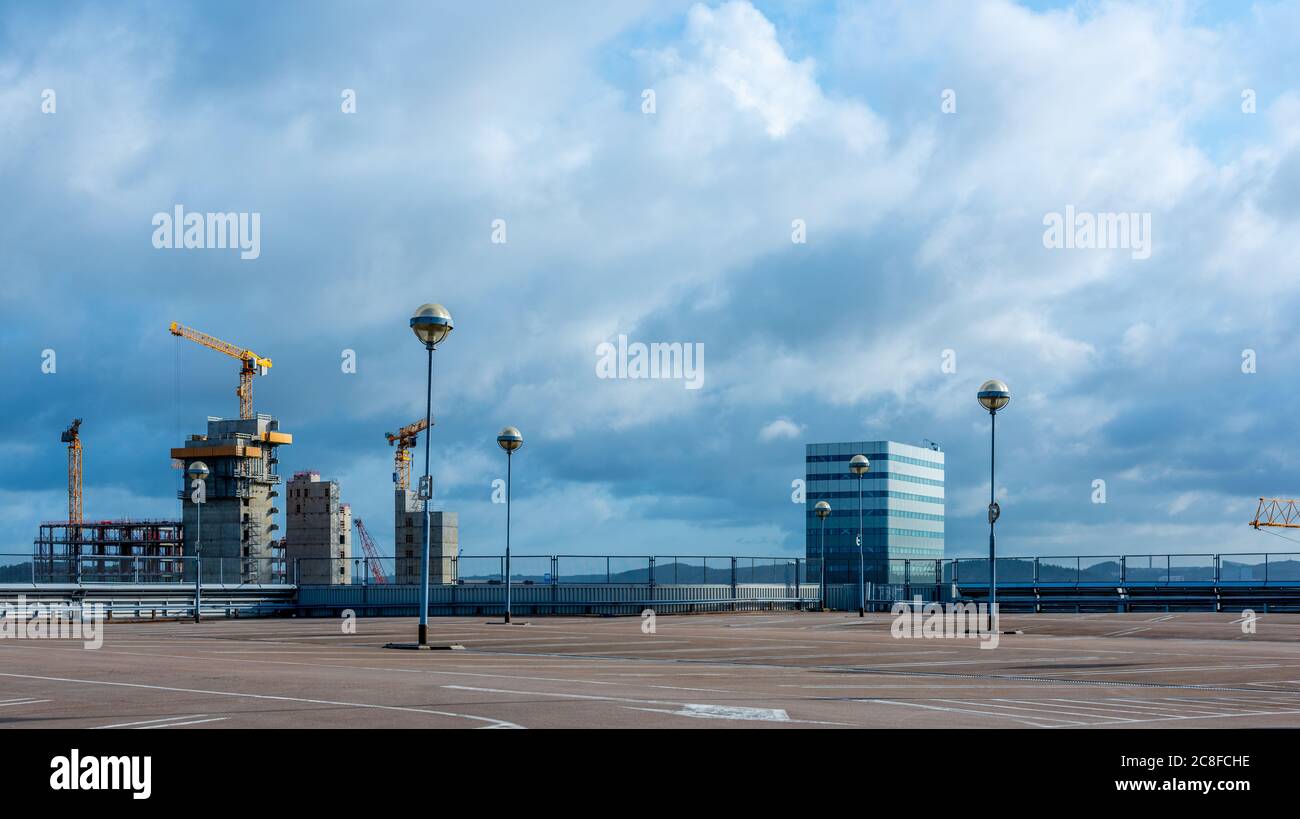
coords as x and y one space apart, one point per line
72 437
250 362
404 439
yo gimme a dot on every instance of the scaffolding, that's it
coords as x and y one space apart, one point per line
109 551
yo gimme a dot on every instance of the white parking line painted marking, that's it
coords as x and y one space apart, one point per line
145 722
174 724
1277 701
1167 670
446 672
996 715
496 722
1218 708
723 712
1141 710
21 702
1029 705
1240 704
1034 716
1214 716
982 662
685 705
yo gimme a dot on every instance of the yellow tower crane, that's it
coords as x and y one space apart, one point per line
72 437
404 439
250 362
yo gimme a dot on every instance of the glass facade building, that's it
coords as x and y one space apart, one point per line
902 511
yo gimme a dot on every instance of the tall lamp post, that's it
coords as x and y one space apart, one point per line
823 510
198 473
431 324
993 396
509 440
859 465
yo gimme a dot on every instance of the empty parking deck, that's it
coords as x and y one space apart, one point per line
827 669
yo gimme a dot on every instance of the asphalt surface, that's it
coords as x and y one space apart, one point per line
768 670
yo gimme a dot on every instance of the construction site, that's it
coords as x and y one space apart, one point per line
231 533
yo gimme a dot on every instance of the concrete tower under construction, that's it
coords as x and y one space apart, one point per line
318 531
238 516
408 540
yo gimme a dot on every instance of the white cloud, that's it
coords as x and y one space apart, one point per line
740 52
781 428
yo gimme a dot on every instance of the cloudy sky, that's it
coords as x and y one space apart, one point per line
924 244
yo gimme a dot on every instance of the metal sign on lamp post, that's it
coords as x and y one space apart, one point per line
993 396
431 325
859 465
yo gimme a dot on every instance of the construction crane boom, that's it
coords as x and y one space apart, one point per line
404 439
72 437
250 362
372 554
1277 512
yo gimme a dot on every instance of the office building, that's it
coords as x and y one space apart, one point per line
902 511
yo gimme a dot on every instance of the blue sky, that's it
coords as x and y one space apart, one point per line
924 234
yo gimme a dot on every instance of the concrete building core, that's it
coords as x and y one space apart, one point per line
318 531
238 517
408 540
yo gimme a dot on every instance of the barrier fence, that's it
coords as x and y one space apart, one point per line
1262 568
561 599
553 569
566 569
620 583
142 569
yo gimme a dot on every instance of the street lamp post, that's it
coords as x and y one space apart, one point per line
431 324
823 510
198 473
993 396
859 465
509 440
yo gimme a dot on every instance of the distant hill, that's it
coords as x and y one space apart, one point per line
17 573
1010 571
666 573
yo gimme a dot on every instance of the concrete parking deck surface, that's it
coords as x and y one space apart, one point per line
703 671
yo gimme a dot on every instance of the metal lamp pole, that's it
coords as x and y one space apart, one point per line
509 440
859 465
993 396
198 473
431 324
823 510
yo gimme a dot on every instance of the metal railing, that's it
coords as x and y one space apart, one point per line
1262 569
542 570
558 599
1130 570
26 568
146 586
